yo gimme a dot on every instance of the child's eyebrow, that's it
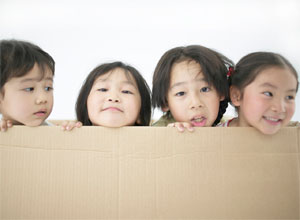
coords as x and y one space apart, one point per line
292 90
49 79
275 87
268 85
185 82
177 84
35 79
128 82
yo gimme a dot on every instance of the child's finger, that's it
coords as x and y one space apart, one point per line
176 125
180 127
189 127
9 123
3 125
171 125
64 125
78 124
73 124
70 126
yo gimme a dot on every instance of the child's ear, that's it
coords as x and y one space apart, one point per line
235 96
222 98
1 97
165 109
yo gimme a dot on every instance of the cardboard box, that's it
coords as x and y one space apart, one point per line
149 173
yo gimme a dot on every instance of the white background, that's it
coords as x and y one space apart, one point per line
80 35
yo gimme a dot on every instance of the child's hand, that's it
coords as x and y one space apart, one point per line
69 125
5 124
181 126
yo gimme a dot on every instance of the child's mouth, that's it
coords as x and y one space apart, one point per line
40 113
198 121
272 121
112 109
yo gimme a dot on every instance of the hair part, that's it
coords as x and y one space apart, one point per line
19 57
214 67
144 90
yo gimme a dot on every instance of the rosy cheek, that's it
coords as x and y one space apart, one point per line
291 110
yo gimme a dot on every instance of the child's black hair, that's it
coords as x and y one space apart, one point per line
252 64
19 57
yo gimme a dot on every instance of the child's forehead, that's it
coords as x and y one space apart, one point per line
275 71
37 73
117 74
186 69
280 77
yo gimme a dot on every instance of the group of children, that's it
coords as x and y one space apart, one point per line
192 85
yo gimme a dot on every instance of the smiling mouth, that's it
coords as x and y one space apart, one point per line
272 120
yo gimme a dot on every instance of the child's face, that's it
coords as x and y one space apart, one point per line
268 103
114 100
190 98
28 100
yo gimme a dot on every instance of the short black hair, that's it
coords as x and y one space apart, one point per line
144 90
19 57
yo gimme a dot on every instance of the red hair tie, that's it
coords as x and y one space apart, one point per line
230 71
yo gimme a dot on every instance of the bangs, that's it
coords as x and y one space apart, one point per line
43 69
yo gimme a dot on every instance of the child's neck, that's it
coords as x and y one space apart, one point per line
238 122
234 123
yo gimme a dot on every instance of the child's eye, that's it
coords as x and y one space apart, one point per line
30 89
102 90
48 88
127 92
180 94
205 89
290 97
268 94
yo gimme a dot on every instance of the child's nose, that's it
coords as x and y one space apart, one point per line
196 102
41 98
113 98
278 106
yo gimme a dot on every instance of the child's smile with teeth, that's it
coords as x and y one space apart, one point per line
272 119
268 102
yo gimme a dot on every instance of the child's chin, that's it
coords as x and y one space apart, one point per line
110 124
34 124
269 131
113 123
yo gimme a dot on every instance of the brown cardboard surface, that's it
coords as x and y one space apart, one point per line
149 173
